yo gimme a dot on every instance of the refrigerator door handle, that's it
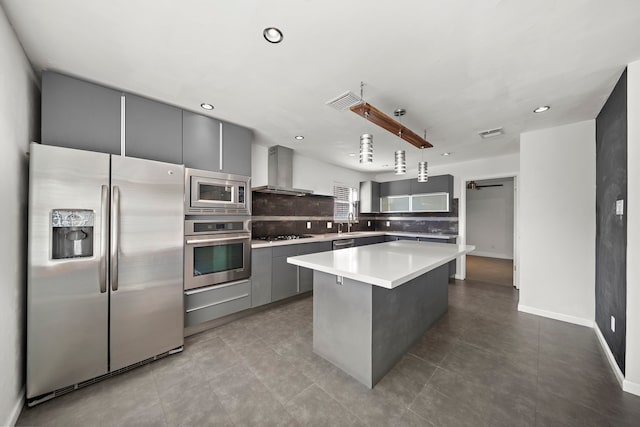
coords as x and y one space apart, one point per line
115 236
104 237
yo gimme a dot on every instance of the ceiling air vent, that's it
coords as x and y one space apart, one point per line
491 133
344 101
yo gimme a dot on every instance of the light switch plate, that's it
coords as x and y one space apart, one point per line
388 223
613 324
308 225
619 207
368 223
329 224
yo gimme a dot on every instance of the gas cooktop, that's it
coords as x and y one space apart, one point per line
284 237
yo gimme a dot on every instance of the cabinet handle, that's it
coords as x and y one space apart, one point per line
221 144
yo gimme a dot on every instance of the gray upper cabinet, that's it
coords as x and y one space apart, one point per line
395 188
201 142
152 130
213 145
236 149
436 184
79 114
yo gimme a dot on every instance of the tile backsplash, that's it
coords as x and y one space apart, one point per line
276 214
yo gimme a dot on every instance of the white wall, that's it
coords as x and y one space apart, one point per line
308 173
557 222
490 219
632 371
19 104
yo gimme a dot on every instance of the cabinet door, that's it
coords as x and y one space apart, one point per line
201 142
371 240
79 114
236 149
395 203
284 279
152 130
395 188
436 184
305 275
260 276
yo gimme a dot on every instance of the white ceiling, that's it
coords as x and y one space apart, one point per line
458 67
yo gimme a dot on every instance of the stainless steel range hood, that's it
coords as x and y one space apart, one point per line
280 173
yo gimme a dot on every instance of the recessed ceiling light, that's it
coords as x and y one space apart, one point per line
272 35
206 106
352 154
299 137
541 109
446 154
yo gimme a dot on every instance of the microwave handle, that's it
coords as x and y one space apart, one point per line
221 239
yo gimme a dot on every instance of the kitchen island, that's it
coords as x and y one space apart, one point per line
372 303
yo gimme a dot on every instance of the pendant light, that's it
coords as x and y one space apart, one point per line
366 148
400 163
423 173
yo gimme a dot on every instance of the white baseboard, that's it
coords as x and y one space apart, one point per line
557 316
490 254
612 360
17 409
630 387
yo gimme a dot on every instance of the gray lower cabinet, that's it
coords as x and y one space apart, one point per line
261 261
394 238
305 275
78 114
371 240
153 130
209 303
284 276
236 149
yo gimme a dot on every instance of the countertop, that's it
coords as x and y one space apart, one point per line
388 264
255 244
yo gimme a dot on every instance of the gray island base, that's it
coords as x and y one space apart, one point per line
365 329
372 303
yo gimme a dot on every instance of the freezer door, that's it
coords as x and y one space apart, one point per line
67 298
146 259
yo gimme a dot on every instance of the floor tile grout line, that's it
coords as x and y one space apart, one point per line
339 403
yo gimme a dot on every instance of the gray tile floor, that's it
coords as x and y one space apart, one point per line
482 364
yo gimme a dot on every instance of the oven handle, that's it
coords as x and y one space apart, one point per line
215 240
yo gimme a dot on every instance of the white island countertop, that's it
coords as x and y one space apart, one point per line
387 264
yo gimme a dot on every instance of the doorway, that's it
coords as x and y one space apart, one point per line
490 225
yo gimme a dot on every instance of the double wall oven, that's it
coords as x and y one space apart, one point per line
217 228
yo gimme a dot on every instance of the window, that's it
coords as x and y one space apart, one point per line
345 202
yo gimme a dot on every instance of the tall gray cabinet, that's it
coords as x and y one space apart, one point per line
86 116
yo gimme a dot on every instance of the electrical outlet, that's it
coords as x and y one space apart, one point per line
388 223
619 207
329 224
368 223
613 324
308 225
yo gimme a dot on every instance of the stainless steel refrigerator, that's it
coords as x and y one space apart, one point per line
105 265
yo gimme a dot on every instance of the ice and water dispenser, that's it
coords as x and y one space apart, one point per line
72 233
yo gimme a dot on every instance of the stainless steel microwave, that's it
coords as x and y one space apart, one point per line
211 193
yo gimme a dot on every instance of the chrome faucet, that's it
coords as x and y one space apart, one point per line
350 220
339 228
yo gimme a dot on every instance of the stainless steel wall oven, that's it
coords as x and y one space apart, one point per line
216 251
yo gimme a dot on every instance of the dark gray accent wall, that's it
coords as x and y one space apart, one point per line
611 229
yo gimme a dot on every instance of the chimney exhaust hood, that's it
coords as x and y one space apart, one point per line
280 173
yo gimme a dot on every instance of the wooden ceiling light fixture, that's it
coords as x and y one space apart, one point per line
379 118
